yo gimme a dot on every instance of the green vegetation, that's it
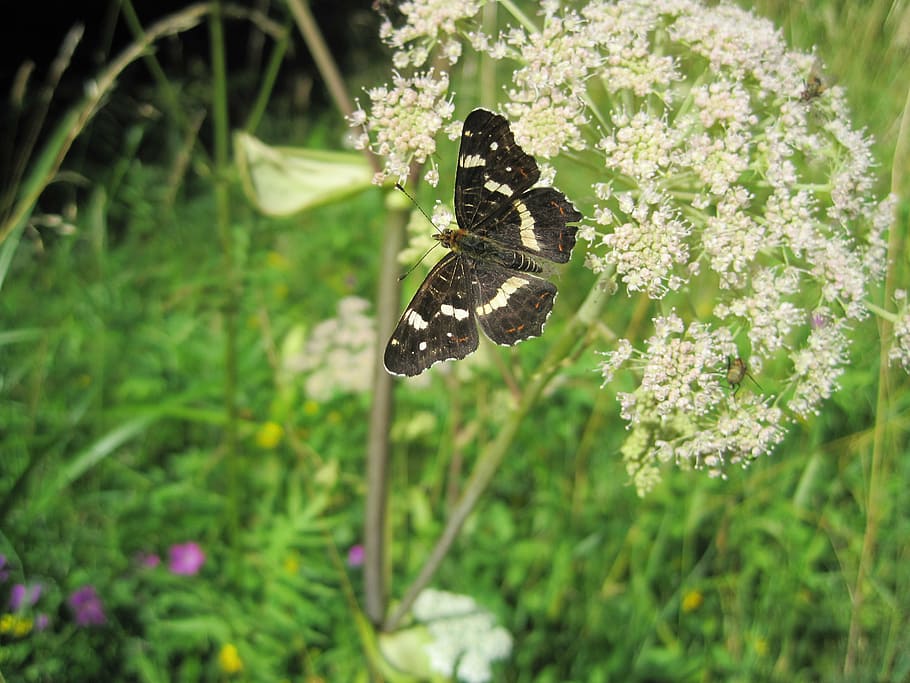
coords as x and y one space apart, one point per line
153 327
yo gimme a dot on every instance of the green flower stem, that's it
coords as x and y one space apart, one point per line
268 80
520 16
877 474
575 333
233 287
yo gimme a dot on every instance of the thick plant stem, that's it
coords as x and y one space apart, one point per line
388 294
378 447
493 455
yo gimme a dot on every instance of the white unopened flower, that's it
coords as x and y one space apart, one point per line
465 638
646 248
818 364
547 101
426 24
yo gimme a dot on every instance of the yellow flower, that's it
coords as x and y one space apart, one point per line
692 600
292 563
277 260
15 625
229 659
310 408
269 435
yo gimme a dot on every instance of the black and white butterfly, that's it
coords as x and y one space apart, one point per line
506 228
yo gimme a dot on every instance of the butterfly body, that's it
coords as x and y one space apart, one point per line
479 247
506 230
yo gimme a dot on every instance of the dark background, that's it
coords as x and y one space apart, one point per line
33 31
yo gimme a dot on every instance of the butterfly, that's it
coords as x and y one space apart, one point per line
506 230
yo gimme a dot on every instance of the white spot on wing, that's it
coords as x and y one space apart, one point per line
422 346
494 146
508 288
472 161
452 312
415 320
502 188
526 229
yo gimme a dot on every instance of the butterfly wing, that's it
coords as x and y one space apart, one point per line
488 277
511 306
492 168
439 323
494 197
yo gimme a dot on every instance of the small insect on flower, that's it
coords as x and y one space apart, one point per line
814 85
737 371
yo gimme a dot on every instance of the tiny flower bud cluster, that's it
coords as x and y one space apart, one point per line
403 122
682 412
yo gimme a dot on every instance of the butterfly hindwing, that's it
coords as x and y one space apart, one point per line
511 306
439 322
535 223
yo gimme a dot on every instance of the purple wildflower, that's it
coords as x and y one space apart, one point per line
355 555
186 558
147 560
42 621
87 606
21 596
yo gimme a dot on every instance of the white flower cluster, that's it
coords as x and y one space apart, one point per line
900 348
465 637
427 24
338 355
683 411
719 190
403 123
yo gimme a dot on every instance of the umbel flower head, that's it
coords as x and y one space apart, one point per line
722 189
464 638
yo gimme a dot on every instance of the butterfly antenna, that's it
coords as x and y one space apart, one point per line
400 187
410 270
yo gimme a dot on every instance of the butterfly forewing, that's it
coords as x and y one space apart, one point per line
491 169
505 229
439 322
